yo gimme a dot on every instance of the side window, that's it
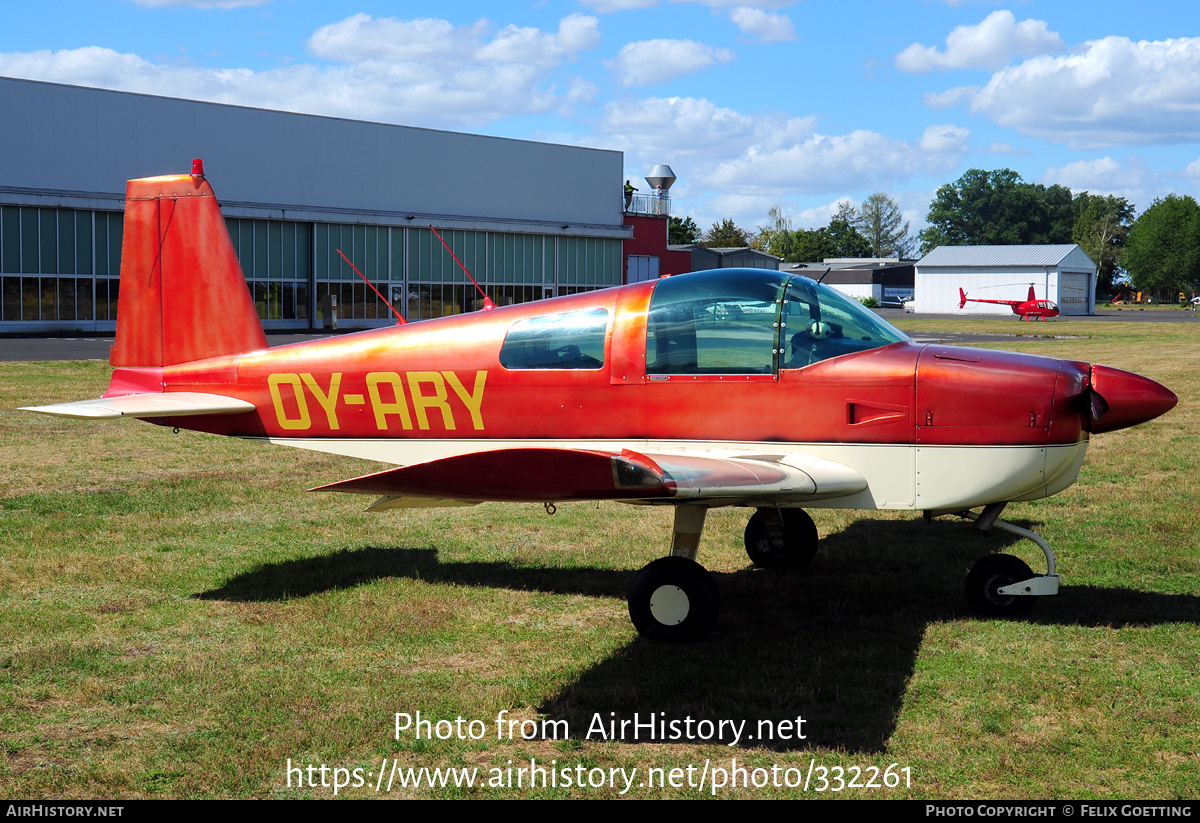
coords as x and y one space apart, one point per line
574 340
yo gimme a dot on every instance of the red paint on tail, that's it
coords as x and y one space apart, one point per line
183 296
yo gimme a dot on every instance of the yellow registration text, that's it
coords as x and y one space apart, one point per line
408 398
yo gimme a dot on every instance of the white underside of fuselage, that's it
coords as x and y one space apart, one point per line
938 478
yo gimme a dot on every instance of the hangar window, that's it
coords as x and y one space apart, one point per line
574 340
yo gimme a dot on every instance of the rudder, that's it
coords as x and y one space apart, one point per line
183 296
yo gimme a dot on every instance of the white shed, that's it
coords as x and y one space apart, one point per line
1061 273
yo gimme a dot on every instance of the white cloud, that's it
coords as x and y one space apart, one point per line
1002 148
769 28
769 156
1108 92
426 72
950 97
815 218
1131 180
942 140
1192 172
658 128
859 160
575 33
989 45
647 62
361 37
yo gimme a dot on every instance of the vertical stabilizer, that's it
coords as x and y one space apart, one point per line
183 296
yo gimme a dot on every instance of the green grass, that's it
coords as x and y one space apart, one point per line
179 618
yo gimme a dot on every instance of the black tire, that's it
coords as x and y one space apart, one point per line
674 600
799 545
992 573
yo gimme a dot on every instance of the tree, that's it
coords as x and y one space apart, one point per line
847 213
726 235
846 240
879 221
1101 227
838 239
998 208
1162 251
776 237
682 232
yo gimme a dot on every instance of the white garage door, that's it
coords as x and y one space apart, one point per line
1073 293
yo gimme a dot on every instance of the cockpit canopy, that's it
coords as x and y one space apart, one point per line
754 321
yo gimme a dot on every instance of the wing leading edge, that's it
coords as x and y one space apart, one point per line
559 475
169 404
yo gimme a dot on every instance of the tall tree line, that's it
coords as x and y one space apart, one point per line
1159 250
876 228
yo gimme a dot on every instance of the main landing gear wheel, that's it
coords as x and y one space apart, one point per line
992 573
673 600
788 543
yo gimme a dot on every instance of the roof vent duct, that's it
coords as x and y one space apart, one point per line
661 175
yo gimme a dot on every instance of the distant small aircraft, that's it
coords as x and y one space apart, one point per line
730 387
1028 309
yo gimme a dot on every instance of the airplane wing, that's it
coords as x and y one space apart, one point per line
556 475
169 404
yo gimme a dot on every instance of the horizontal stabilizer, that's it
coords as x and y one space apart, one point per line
171 404
556 475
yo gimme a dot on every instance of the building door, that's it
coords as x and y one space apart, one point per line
641 267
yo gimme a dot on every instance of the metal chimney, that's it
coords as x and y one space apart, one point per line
661 175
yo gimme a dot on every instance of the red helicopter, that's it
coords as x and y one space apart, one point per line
730 387
1028 309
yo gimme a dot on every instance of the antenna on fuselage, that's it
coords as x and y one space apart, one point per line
488 305
828 269
400 321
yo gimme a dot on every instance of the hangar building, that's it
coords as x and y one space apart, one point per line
1061 273
529 220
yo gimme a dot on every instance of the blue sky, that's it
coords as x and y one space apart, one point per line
797 104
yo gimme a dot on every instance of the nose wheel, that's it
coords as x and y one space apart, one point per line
1004 586
988 577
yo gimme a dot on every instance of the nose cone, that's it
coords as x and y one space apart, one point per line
1130 399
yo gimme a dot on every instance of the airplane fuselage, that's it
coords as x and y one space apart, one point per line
928 426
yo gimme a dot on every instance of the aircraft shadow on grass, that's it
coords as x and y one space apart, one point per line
835 643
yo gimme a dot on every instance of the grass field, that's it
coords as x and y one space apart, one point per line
179 618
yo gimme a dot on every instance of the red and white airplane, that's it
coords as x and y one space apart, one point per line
730 387
1028 309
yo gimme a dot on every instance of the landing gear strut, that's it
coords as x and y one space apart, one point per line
1001 585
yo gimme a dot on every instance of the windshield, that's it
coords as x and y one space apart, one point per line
820 322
